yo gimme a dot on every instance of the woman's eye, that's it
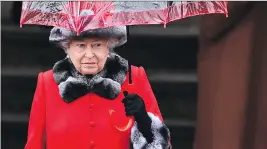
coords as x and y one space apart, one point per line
81 45
96 45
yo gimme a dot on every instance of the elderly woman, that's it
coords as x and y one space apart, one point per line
93 99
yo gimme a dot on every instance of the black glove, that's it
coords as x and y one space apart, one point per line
135 106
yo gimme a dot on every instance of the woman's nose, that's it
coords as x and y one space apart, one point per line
89 53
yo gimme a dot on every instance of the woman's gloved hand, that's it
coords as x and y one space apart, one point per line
135 106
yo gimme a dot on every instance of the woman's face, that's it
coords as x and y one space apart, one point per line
88 55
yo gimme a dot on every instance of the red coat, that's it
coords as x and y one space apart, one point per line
85 123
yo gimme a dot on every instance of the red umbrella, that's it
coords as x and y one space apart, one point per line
84 15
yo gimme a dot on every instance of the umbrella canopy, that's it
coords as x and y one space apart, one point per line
83 15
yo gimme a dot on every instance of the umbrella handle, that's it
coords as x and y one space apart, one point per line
130 120
128 126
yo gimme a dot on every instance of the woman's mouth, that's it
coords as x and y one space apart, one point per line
90 63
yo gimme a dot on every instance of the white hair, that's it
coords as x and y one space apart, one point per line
112 42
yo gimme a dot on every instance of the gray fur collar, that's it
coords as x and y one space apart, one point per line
106 83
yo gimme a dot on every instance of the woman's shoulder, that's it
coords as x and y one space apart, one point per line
47 75
137 71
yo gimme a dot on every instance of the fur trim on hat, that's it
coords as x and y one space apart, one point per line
58 34
107 83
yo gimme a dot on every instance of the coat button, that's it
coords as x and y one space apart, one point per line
92 124
91 106
92 144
